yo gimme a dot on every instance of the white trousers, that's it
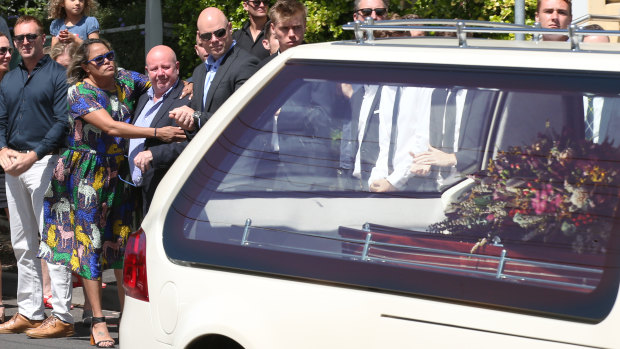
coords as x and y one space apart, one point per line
25 200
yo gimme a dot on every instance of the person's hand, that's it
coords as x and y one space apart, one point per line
435 157
7 157
170 134
184 117
347 90
65 36
188 89
382 186
21 163
419 169
143 160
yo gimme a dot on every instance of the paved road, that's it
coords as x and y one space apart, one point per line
81 338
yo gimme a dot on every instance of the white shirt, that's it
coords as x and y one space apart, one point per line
369 95
412 124
597 112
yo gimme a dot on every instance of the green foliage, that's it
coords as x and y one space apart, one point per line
128 45
481 10
325 18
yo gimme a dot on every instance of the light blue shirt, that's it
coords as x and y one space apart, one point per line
83 28
212 67
136 145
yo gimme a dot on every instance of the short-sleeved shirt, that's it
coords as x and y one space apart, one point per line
85 98
83 28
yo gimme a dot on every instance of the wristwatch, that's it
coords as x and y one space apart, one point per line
196 117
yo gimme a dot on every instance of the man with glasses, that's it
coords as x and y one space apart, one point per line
33 126
224 71
376 9
250 36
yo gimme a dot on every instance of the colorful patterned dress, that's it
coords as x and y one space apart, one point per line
88 211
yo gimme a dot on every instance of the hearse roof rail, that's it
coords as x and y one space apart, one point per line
365 31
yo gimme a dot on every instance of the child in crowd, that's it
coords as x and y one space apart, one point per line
71 23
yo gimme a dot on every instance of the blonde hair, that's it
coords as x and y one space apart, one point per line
55 8
62 47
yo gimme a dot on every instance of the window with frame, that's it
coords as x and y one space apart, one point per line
495 178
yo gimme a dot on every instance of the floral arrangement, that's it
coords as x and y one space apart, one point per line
561 192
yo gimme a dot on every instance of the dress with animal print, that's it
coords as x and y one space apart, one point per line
88 211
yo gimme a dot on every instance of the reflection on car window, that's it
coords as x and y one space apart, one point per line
490 182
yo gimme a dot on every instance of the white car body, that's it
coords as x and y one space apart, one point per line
263 310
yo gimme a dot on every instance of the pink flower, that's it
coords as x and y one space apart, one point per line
490 217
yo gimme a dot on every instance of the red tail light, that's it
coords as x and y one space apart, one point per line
134 269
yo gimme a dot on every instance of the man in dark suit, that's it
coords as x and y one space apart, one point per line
151 158
224 71
458 119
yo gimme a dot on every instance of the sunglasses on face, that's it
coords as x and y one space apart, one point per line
4 50
99 60
218 34
368 11
257 3
29 37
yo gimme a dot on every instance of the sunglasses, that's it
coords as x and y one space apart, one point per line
368 11
29 37
4 50
256 3
218 34
99 60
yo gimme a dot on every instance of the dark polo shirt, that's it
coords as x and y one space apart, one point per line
33 109
244 40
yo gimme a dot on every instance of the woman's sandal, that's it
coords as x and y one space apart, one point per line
105 343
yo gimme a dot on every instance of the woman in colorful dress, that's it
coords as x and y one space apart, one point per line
89 212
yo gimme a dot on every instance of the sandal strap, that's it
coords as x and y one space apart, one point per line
98 320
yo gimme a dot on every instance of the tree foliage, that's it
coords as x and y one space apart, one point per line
325 18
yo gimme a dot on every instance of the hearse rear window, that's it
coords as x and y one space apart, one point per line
427 181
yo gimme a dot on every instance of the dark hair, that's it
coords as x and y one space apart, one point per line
570 6
75 72
593 27
267 34
26 19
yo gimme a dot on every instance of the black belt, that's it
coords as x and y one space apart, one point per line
28 151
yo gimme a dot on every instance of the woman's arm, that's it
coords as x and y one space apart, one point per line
101 119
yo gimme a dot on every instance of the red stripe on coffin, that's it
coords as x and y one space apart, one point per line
524 263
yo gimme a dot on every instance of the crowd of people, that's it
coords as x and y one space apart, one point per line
84 143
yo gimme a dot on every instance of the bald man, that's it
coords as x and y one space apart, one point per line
224 71
149 159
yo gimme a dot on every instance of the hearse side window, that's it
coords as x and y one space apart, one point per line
412 180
